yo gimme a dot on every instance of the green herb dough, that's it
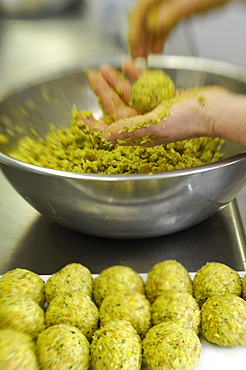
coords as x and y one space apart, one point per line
17 351
117 279
244 287
24 282
78 149
63 347
74 277
22 313
176 306
215 278
151 88
167 275
116 346
170 346
75 309
223 320
132 307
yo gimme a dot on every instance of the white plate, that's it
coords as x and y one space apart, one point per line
212 357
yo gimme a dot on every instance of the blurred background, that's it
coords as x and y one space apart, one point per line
46 33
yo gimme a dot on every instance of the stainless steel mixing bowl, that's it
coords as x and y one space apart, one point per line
119 206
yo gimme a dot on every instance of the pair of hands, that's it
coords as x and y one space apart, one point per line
210 112
186 118
152 20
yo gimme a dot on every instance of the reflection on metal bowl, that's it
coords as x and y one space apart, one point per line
119 206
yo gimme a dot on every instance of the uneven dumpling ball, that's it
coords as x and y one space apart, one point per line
116 345
132 307
151 88
215 278
74 309
244 287
117 279
22 313
170 346
223 320
167 275
24 282
17 351
178 307
63 347
74 277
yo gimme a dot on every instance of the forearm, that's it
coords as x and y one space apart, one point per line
224 115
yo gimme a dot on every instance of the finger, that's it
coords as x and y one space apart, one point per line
90 121
143 141
108 98
123 138
158 44
130 68
134 127
137 34
154 38
161 17
117 81
164 16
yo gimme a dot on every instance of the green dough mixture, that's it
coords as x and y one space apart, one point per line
215 278
117 279
21 313
173 305
116 346
171 346
78 149
152 88
73 277
167 275
75 309
132 307
223 320
17 351
63 347
24 282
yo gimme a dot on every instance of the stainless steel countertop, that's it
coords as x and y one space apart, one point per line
29 240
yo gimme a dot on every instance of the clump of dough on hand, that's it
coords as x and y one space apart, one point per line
151 88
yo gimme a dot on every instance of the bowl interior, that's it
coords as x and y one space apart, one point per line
49 101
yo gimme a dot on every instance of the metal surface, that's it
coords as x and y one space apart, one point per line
132 206
29 240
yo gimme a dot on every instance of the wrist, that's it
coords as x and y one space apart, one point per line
223 114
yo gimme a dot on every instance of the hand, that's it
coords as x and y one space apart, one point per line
113 89
152 20
207 111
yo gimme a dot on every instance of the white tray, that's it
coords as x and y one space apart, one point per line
212 357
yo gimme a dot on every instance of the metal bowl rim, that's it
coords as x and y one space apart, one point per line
36 76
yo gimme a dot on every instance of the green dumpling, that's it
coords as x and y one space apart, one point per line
152 88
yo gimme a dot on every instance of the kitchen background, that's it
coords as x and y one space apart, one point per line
33 42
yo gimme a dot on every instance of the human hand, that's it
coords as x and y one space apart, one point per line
113 90
151 21
191 113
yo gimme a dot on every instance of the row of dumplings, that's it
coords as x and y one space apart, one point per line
72 320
